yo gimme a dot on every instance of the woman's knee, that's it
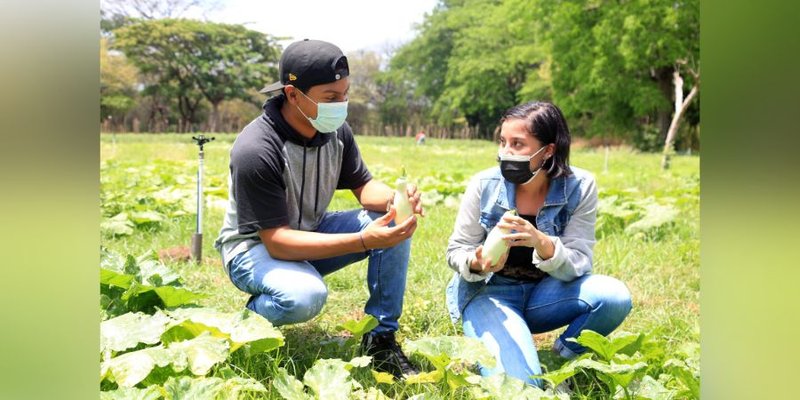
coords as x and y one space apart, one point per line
612 293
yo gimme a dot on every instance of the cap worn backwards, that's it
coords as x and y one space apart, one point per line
308 63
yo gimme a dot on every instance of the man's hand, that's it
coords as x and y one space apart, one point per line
379 235
484 265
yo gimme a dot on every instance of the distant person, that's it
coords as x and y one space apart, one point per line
278 240
420 138
543 282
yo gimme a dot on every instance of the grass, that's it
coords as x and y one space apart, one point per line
660 268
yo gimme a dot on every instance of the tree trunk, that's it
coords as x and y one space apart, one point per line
676 119
214 117
664 77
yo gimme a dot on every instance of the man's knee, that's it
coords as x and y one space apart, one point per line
302 303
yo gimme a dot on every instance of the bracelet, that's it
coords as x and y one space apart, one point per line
361 236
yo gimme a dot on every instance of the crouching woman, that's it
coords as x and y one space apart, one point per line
544 281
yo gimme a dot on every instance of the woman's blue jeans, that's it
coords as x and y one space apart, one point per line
506 312
288 292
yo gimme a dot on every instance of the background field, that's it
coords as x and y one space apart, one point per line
659 260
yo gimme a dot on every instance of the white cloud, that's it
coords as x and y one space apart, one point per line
350 24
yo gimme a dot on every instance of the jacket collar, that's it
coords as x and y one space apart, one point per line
505 195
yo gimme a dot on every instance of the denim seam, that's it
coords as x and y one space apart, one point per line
379 285
561 301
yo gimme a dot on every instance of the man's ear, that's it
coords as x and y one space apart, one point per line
291 94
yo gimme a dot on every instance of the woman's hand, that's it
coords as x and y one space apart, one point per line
414 197
484 265
526 235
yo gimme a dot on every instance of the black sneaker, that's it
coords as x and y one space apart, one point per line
386 354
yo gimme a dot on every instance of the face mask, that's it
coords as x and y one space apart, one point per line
330 116
517 169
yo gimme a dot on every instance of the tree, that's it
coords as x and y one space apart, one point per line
613 62
118 81
472 60
192 60
363 94
681 105
155 9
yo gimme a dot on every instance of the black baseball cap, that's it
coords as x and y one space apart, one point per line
308 63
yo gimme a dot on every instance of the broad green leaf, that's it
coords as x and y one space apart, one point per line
382 377
455 380
185 387
145 217
131 267
111 260
621 374
329 379
680 370
360 362
503 386
118 225
186 329
113 278
243 327
560 375
174 296
128 330
442 349
131 368
605 347
254 330
636 345
198 354
154 272
360 327
609 206
650 389
132 393
655 215
288 386
201 353
371 394
426 377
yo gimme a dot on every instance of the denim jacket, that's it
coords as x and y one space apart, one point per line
567 216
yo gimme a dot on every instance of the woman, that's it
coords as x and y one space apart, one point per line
543 282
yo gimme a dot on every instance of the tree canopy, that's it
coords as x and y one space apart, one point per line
191 60
608 65
611 66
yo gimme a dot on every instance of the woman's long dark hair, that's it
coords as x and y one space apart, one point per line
546 123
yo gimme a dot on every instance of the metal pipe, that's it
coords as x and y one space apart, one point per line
197 237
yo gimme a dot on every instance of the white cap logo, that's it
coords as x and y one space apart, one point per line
338 76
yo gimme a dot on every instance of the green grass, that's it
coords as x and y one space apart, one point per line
660 268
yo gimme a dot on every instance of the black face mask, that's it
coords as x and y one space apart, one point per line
517 169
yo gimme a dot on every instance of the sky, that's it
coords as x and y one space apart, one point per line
350 24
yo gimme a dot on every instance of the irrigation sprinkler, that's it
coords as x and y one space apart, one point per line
197 237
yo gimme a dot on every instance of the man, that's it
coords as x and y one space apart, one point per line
420 138
278 240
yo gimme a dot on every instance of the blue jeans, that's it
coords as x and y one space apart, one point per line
506 312
288 292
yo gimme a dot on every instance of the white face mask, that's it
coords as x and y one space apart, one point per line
330 116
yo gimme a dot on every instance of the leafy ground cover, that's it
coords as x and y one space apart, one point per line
176 329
